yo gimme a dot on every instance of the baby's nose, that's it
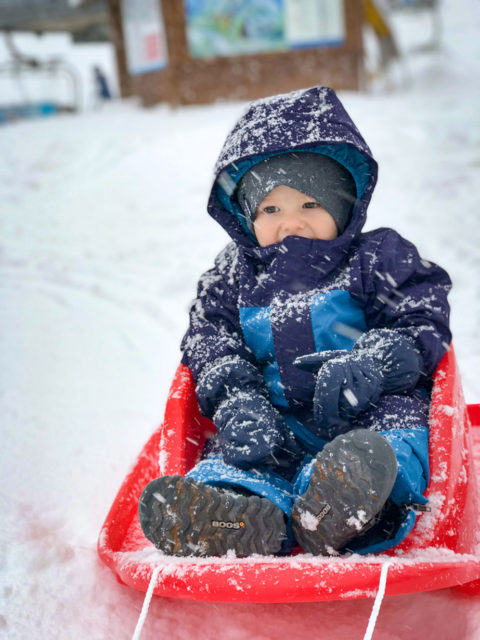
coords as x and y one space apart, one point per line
293 222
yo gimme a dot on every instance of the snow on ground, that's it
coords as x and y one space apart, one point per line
104 234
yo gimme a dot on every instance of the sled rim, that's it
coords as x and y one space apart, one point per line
308 580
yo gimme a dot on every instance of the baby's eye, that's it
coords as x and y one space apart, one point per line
270 209
311 205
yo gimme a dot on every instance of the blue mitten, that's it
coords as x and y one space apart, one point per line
250 430
348 383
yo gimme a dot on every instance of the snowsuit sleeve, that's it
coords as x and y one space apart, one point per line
409 294
229 386
214 331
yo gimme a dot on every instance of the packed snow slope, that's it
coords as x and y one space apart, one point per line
104 233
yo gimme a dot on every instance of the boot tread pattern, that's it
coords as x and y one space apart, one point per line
187 518
352 478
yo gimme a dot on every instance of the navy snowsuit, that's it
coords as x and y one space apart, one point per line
269 305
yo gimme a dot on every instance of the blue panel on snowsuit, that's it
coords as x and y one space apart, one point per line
337 320
411 449
271 375
309 440
257 331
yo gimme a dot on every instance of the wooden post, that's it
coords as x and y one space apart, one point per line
116 36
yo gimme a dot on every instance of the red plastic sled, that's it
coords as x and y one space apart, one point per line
441 551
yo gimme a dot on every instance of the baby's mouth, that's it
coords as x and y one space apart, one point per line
299 234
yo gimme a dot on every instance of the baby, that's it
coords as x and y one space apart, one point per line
312 345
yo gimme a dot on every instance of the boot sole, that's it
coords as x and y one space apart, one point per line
187 518
352 478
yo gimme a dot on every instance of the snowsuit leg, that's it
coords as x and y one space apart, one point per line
403 420
263 482
410 443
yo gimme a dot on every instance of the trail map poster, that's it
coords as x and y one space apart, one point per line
144 32
236 27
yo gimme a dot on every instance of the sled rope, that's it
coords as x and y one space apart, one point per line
378 600
146 604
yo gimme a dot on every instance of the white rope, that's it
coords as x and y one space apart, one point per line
378 600
146 604
371 623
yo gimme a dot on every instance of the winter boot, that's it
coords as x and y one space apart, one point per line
183 517
352 478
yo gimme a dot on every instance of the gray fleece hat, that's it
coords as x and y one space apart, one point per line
313 174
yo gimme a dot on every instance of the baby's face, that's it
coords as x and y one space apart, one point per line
288 212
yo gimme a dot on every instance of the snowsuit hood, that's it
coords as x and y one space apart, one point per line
311 120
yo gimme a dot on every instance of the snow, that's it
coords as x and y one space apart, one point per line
104 234
309 520
358 521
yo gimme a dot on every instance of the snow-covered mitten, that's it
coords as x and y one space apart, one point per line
250 431
349 382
